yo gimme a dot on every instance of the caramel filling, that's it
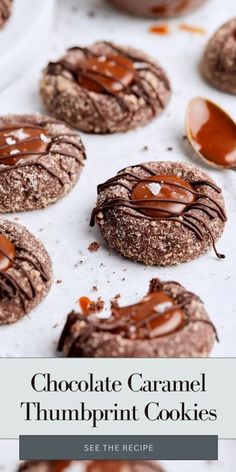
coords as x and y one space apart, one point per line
7 253
162 196
212 132
18 143
111 74
156 315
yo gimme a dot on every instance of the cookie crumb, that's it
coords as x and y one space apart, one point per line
94 246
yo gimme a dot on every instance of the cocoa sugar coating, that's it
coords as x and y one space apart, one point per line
218 65
40 161
90 337
90 466
105 88
174 238
27 278
5 11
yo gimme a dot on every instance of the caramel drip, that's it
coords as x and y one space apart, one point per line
25 158
9 285
203 202
137 86
7 253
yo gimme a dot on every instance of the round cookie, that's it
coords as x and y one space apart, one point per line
160 213
40 161
92 466
105 88
168 322
5 11
218 65
25 272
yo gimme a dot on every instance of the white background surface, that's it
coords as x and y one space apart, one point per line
64 227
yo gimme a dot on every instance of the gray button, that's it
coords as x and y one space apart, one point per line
118 447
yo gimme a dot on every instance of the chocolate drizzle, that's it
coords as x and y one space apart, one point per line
31 157
10 284
203 202
127 326
136 87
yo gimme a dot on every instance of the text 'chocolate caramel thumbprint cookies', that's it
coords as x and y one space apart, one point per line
25 272
160 213
92 466
168 322
105 88
5 11
40 161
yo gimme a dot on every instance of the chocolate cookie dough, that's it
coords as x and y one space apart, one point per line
168 322
40 161
92 466
5 11
25 272
218 65
160 213
105 88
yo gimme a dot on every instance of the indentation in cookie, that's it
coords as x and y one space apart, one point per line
17 143
106 73
90 466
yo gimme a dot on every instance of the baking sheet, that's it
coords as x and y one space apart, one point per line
64 227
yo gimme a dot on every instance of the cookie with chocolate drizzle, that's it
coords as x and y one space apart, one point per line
105 88
25 272
160 213
168 322
218 65
40 161
5 11
92 466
